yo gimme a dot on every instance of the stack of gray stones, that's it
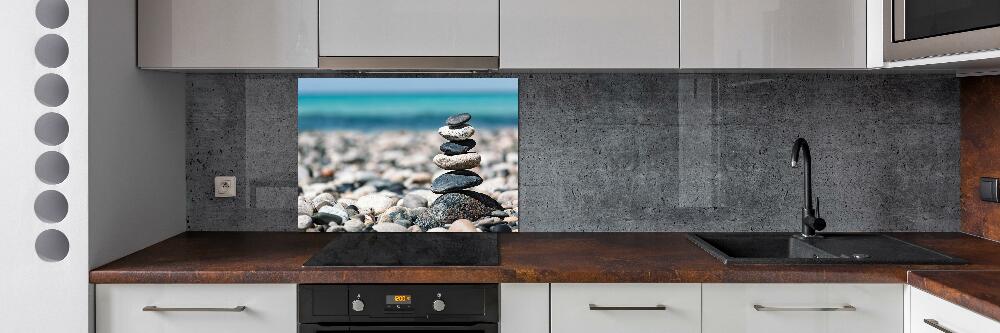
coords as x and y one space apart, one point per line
457 206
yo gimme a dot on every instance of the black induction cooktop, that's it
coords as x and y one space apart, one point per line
409 249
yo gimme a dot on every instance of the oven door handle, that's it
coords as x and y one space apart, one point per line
315 328
484 328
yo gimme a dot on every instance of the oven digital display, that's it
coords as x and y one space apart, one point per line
398 299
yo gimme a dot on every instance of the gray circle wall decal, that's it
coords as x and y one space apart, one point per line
52 167
52 13
51 90
51 51
51 129
52 245
51 206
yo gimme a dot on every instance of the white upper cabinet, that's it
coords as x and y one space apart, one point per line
509 34
598 34
227 33
777 33
408 28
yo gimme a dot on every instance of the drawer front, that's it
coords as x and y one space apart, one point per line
269 308
948 316
802 308
572 311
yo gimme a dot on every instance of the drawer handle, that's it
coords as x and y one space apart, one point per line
848 307
154 308
935 324
594 307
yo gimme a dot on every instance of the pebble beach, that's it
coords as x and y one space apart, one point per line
456 179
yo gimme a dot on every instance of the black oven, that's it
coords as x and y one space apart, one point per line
386 308
928 28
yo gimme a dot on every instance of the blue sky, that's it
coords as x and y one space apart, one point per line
405 85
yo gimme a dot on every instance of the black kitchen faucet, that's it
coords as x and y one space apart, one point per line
810 221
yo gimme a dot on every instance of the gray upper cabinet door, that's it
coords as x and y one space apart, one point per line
773 34
409 28
620 34
179 34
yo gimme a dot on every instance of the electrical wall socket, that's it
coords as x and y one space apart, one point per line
225 187
988 189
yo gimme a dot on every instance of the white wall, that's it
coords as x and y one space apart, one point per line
125 150
137 187
38 295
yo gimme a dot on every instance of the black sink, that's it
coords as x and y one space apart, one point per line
834 248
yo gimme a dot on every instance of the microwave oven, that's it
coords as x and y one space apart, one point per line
915 29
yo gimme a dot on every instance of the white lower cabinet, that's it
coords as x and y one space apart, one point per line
625 307
524 307
569 307
196 308
802 308
930 314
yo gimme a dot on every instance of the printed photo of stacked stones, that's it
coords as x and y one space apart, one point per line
407 155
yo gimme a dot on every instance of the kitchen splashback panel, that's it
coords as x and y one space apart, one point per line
407 155
639 152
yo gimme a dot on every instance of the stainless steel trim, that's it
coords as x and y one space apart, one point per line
957 43
898 20
409 63
658 307
154 308
423 72
935 324
848 307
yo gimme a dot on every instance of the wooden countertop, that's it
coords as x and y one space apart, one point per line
263 257
273 257
973 290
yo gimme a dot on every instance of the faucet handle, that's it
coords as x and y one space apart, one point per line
818 223
817 206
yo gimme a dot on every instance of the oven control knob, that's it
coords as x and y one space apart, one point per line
438 305
358 305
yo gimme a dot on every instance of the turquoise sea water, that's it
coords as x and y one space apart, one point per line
373 111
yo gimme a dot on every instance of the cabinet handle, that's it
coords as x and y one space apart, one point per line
159 309
594 307
935 324
848 307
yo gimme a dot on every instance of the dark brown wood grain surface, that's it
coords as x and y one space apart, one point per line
266 257
980 155
272 257
978 291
